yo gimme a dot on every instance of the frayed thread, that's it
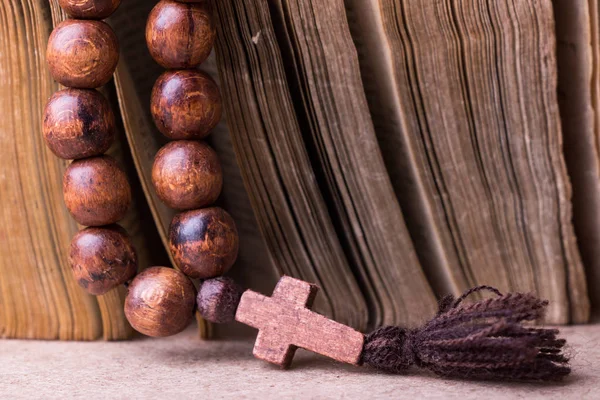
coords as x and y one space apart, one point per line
482 340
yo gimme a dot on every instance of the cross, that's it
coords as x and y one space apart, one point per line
285 323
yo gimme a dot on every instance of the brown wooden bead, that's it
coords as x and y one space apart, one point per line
160 302
186 104
180 35
187 174
78 123
102 258
218 300
89 9
96 191
82 54
204 243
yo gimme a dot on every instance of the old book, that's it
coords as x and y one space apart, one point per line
38 297
302 129
463 95
578 52
390 151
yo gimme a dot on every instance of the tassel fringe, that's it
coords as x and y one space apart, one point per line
482 340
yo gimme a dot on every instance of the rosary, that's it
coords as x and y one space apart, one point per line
486 339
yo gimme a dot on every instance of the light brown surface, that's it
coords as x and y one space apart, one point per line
183 367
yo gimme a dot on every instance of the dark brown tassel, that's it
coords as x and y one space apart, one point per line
482 340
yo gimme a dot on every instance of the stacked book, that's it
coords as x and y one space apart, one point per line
391 151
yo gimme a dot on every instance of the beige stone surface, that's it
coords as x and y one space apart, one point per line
183 367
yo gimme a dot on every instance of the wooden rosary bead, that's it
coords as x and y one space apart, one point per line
218 300
180 35
187 174
78 123
186 104
89 9
102 258
96 191
160 302
82 54
204 243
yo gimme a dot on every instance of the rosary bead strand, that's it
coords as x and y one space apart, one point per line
78 124
187 175
204 242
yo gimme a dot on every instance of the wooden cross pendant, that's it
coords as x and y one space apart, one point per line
285 323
